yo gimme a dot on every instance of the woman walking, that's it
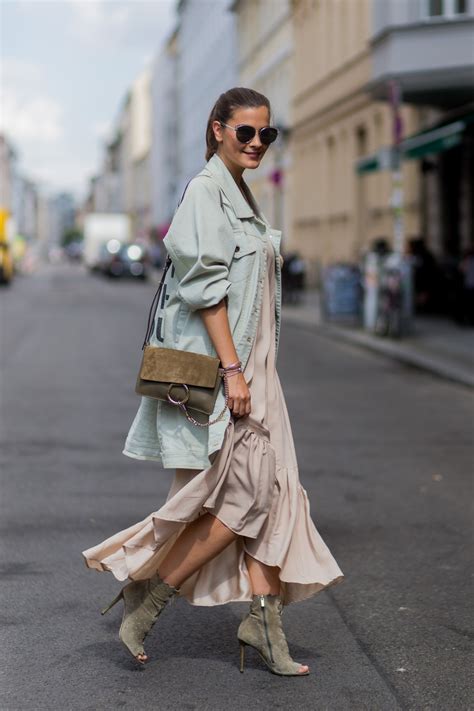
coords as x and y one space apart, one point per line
236 524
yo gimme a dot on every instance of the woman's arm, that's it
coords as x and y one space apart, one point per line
216 321
201 244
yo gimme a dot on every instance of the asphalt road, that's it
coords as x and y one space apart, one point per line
385 454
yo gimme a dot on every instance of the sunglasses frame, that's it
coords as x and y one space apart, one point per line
240 125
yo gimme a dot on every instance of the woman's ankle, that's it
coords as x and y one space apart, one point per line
266 591
171 579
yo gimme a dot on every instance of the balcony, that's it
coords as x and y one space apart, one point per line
432 58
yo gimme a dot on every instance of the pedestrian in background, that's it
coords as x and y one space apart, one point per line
236 524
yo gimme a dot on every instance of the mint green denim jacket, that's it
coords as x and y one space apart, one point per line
217 249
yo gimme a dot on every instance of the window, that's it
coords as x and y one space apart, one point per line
460 7
435 8
445 9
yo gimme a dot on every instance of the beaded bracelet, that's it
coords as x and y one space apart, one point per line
231 370
238 364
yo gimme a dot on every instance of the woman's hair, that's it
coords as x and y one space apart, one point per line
223 109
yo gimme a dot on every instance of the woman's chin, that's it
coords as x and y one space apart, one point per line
252 162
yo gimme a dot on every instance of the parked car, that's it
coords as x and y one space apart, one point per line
100 229
123 260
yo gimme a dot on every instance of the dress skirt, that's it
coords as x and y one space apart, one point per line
252 487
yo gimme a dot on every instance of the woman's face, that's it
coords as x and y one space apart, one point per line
234 153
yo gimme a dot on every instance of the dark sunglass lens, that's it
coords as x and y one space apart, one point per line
268 135
245 133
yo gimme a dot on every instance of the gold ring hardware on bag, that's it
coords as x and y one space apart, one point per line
186 395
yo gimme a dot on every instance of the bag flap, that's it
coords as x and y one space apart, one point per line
172 366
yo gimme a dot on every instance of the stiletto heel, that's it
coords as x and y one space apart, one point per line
114 602
262 630
242 655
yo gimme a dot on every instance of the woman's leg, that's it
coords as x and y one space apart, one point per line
264 578
200 541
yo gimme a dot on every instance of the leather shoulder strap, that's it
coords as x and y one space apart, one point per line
156 298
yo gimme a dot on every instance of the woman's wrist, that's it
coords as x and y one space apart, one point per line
230 366
230 370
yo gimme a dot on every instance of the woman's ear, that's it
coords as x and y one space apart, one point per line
217 128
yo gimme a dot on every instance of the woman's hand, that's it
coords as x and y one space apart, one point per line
239 395
217 325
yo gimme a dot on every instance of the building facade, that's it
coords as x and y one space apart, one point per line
164 155
429 47
140 149
265 63
346 54
8 169
206 67
336 214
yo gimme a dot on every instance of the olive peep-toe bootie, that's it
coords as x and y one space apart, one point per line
262 630
143 602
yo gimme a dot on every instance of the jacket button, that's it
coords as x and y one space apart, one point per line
237 249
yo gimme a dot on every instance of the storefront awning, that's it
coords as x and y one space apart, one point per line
434 141
424 143
381 160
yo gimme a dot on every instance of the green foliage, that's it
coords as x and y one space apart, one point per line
73 234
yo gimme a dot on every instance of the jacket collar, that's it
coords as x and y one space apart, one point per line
216 167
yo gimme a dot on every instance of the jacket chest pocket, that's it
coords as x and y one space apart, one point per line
245 254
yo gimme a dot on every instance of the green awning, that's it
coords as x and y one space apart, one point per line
381 160
424 143
369 164
434 141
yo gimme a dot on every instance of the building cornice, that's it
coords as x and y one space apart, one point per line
265 37
331 113
331 77
428 25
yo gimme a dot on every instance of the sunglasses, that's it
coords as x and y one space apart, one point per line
245 133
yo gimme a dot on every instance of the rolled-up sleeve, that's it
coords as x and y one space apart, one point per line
201 244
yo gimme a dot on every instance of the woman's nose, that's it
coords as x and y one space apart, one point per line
256 142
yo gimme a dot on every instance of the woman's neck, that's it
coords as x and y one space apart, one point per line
235 170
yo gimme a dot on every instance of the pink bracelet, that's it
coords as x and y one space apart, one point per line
234 372
231 370
232 366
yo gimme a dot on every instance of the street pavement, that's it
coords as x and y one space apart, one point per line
385 454
434 343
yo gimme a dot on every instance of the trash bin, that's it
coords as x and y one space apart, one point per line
342 292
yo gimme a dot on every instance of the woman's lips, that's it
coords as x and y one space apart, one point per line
252 155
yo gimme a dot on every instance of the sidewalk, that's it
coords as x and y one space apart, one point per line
437 344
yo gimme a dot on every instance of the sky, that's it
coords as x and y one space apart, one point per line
65 68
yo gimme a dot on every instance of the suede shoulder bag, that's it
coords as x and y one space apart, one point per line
181 378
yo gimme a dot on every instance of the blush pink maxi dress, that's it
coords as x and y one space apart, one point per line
252 486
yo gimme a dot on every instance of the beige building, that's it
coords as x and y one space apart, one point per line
265 55
140 149
337 212
345 54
